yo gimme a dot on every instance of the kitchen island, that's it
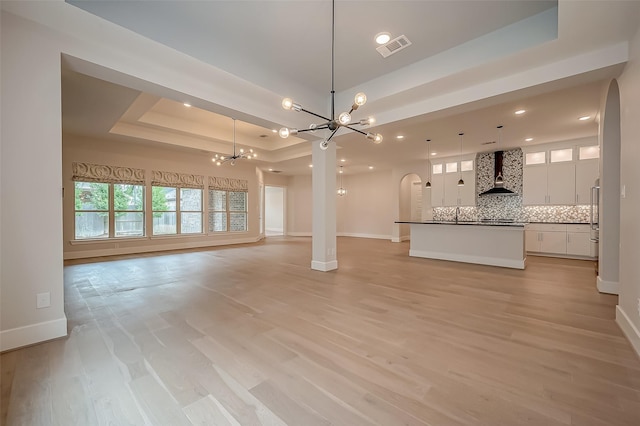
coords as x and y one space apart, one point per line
485 243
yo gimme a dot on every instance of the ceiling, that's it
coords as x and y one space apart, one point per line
285 46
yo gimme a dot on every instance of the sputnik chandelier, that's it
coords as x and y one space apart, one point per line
240 155
344 119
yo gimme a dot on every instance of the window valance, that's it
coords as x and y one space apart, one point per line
181 180
87 172
228 184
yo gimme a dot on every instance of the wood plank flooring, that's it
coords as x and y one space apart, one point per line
249 335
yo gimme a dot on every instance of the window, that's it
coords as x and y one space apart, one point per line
535 158
452 167
108 210
437 169
466 166
561 155
176 210
589 152
227 211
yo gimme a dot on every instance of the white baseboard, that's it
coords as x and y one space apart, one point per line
401 238
628 328
324 266
275 230
31 334
298 234
358 235
609 287
159 247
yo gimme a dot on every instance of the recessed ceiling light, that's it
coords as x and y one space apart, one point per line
520 112
400 137
586 117
274 130
270 170
433 153
528 139
370 167
310 165
187 104
342 160
383 38
340 170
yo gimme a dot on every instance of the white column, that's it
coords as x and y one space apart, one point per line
323 227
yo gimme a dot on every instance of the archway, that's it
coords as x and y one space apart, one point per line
609 205
410 202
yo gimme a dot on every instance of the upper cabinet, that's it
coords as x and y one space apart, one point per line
561 175
445 176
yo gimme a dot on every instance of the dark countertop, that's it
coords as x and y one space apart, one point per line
461 222
561 223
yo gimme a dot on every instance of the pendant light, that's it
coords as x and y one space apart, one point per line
499 178
341 190
461 182
428 184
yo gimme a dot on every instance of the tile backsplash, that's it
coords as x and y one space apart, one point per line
509 206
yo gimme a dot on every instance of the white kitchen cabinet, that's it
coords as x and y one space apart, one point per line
549 184
586 174
579 240
455 195
451 189
546 238
437 190
467 193
534 185
561 184
558 239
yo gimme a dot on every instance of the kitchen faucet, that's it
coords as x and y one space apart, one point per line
457 213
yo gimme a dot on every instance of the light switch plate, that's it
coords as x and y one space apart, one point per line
43 300
623 191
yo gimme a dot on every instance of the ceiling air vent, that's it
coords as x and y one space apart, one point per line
394 46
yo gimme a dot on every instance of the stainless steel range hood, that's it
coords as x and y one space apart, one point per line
498 182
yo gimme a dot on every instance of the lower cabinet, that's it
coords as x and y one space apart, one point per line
579 241
558 239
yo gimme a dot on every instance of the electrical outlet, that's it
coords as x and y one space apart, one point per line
43 300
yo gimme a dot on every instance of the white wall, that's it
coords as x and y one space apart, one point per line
299 206
31 187
366 211
126 154
628 316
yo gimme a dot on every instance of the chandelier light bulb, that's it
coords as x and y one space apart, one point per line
241 150
287 103
344 118
284 133
377 139
218 163
360 99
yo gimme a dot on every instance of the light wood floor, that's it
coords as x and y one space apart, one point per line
249 335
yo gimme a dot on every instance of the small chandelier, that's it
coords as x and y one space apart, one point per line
428 184
341 190
344 118
240 155
461 181
499 179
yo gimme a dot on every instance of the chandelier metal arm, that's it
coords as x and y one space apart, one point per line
348 126
317 115
332 133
